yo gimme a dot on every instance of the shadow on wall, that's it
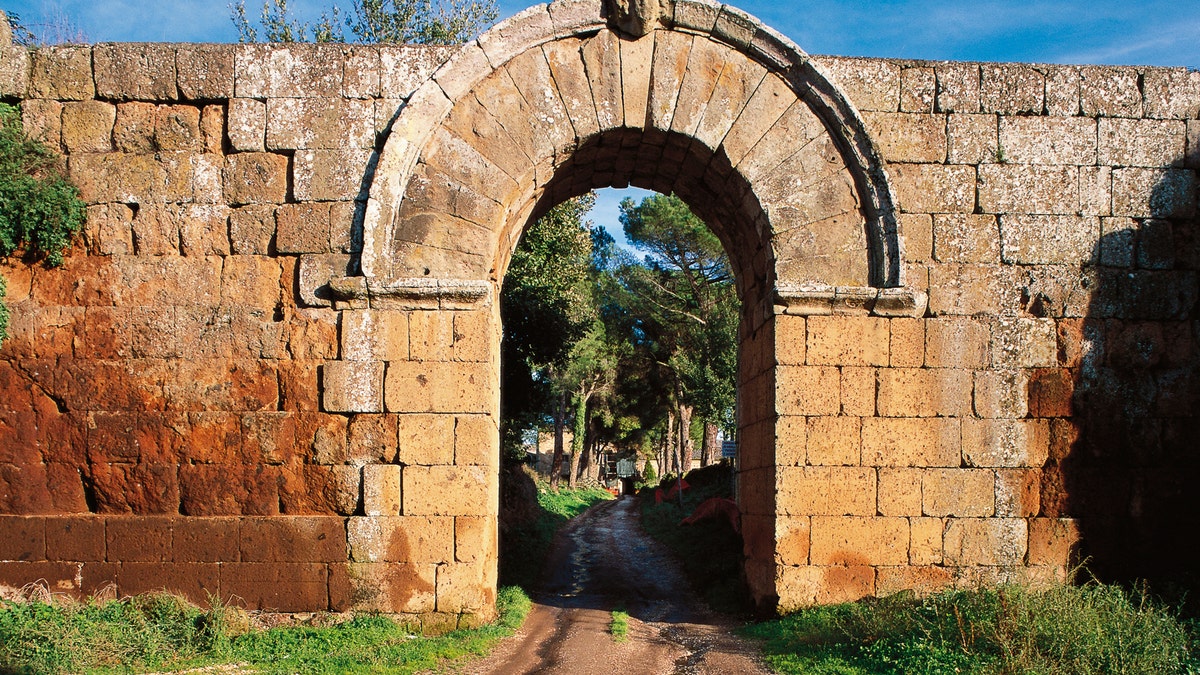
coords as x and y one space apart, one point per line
1127 463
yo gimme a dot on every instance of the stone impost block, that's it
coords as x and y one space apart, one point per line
911 442
812 490
205 71
1048 140
450 490
919 392
409 539
859 541
1135 142
315 273
847 341
987 542
958 492
1011 88
383 488
934 188
135 71
1005 443
352 386
62 73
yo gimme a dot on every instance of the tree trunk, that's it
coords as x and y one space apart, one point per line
579 433
664 464
709 452
685 438
560 413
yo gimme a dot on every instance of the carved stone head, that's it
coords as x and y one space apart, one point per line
638 17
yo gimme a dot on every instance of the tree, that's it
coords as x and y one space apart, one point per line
688 313
435 22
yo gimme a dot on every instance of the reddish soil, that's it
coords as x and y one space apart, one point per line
602 561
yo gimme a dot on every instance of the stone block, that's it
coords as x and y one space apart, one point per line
1171 93
911 442
972 139
956 342
476 441
177 127
293 539
409 539
1011 89
1051 392
907 343
1110 91
252 229
139 539
42 120
144 72
917 230
22 538
918 89
793 540
934 188
962 493
275 587
1154 193
74 538
449 490
847 341
1005 443
820 490
414 386
987 542
1023 188
307 123
426 440
808 390
382 487
374 335
1049 240
870 84
475 539
800 587
87 126
461 588
899 492
1135 142
957 87
1024 343
205 71
333 174
316 270
925 541
352 386
14 70
1062 90
966 238
1048 140
791 440
920 580
859 541
255 178
1002 394
386 587
198 582
917 392
834 441
1018 493
858 391
790 338
1053 541
62 73
247 125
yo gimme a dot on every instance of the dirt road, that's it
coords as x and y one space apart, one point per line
604 561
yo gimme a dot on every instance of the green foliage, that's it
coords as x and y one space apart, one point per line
619 627
3 309
435 22
162 631
40 210
1072 630
524 546
710 550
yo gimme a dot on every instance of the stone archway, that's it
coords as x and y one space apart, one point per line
689 97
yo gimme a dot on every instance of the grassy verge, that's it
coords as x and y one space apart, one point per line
163 632
709 550
1095 628
619 626
524 545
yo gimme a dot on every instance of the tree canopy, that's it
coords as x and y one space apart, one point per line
433 22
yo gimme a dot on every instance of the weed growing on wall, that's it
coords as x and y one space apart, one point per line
40 210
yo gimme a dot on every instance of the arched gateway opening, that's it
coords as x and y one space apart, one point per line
693 98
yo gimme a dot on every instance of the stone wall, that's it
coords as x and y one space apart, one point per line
187 404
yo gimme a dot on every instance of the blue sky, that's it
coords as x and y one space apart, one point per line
1158 32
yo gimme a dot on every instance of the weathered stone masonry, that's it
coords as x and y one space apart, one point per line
270 371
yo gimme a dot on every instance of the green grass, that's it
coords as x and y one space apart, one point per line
1059 630
162 632
524 546
619 626
710 551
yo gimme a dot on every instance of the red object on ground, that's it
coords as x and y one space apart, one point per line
717 507
658 495
681 484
